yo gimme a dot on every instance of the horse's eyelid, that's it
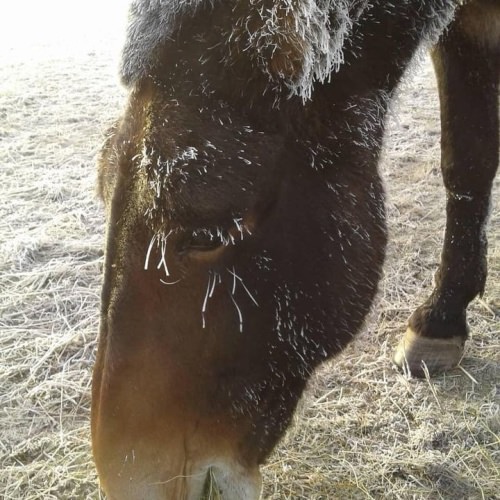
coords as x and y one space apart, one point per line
210 243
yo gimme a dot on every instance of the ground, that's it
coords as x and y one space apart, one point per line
362 430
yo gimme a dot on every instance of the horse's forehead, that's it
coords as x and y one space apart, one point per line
201 169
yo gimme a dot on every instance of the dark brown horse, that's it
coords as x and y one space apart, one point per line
246 227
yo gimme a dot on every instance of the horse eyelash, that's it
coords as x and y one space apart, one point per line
238 310
236 277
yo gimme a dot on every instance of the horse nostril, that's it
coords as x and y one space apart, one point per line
211 491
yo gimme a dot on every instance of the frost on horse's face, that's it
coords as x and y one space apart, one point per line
245 228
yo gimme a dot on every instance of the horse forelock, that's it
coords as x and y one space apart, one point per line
294 41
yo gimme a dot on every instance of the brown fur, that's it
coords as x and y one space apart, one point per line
480 20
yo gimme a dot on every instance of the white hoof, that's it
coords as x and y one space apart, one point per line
414 353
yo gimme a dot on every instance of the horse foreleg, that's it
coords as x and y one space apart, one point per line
467 64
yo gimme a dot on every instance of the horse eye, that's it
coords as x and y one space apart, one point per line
201 241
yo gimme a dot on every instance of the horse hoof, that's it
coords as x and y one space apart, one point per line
418 355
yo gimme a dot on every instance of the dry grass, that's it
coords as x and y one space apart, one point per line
362 430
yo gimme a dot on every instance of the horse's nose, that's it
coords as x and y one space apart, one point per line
231 481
